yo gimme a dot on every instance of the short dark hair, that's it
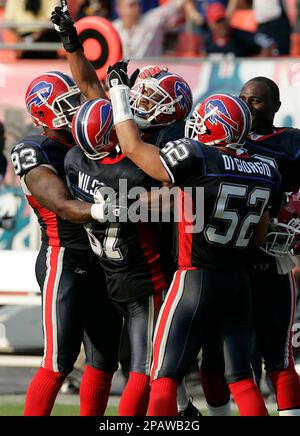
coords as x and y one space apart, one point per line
270 84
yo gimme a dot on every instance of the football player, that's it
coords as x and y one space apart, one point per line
272 281
238 192
161 101
127 251
273 284
74 300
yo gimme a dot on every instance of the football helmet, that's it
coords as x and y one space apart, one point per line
52 99
93 128
284 231
159 98
221 119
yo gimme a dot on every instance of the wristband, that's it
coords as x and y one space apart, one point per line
98 212
70 40
119 96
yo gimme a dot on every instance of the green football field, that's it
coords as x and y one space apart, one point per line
16 409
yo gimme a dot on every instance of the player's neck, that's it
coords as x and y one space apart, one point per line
60 135
263 130
257 133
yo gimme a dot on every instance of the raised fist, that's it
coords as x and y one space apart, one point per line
65 28
117 74
61 19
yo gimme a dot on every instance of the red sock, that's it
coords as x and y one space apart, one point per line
163 397
215 388
135 397
248 398
286 384
42 392
94 391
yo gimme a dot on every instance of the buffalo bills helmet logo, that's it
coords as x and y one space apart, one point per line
219 114
42 89
106 123
183 93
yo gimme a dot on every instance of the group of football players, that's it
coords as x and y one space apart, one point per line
95 269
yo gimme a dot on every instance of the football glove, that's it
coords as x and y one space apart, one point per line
117 75
64 26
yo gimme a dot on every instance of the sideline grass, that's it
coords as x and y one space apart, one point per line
14 409
11 408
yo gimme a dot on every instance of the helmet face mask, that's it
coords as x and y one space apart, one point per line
66 105
221 119
160 100
52 99
93 129
284 231
281 237
195 126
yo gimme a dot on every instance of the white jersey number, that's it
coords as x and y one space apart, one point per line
238 230
108 247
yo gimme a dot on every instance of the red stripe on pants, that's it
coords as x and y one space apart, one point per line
48 308
163 319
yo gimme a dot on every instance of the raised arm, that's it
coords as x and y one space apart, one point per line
145 156
85 75
82 70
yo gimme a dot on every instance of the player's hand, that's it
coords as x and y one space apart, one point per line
151 71
64 25
108 208
117 75
61 19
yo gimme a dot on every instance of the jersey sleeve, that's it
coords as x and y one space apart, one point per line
27 155
183 161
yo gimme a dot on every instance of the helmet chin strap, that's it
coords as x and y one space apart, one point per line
97 156
144 124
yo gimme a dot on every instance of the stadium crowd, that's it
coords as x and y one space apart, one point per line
173 27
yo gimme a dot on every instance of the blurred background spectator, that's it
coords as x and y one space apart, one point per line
143 35
146 5
223 38
195 11
197 29
272 19
23 15
100 8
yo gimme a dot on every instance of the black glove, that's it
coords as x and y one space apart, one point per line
64 26
117 75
